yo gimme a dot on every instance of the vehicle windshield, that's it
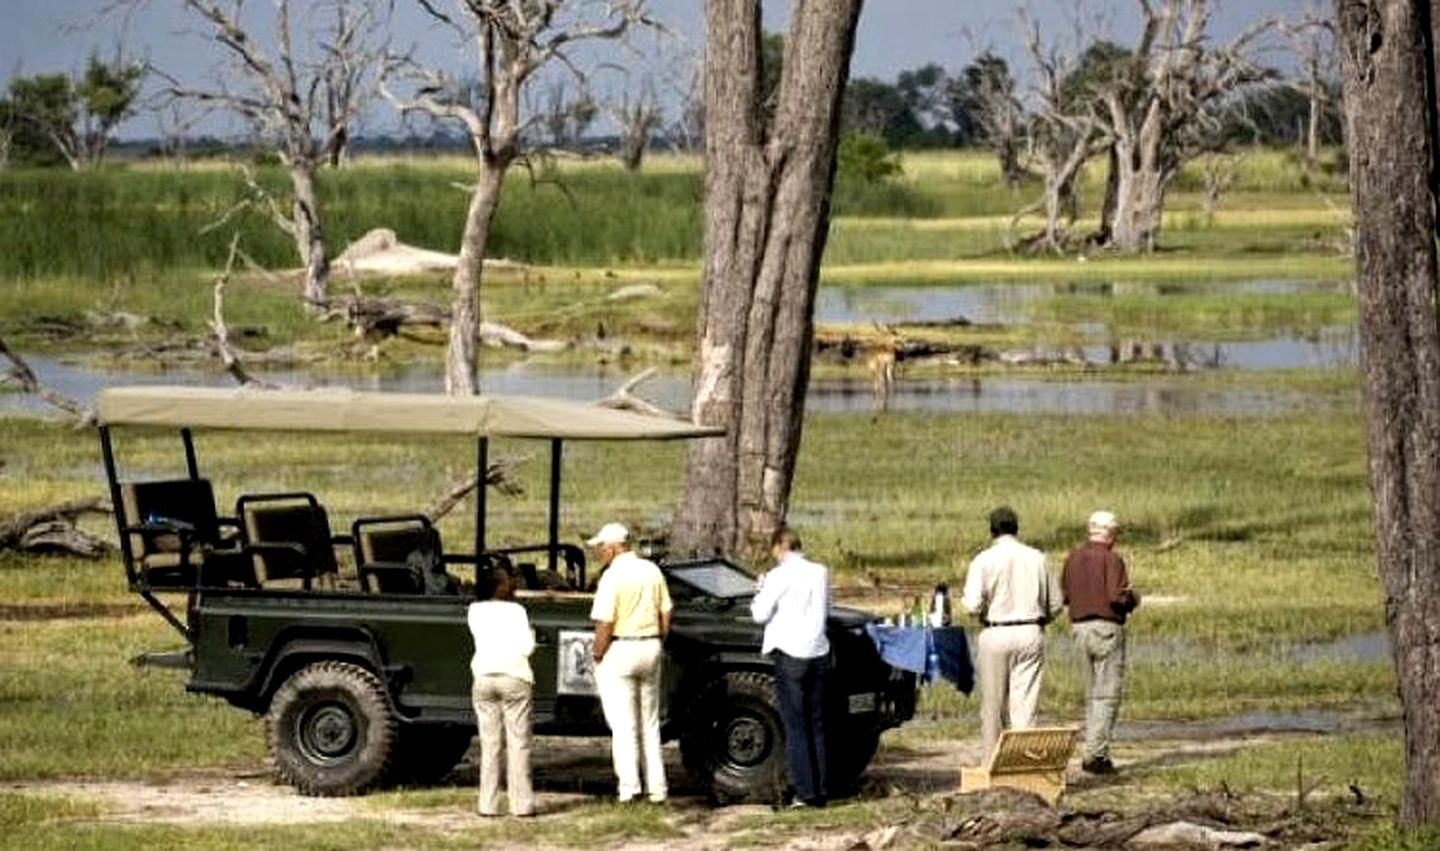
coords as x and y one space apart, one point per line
715 579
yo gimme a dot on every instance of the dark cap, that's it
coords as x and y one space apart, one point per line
1004 521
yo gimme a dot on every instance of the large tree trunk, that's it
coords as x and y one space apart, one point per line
1390 106
767 213
310 234
1141 179
461 364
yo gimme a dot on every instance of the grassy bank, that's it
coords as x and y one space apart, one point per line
1237 573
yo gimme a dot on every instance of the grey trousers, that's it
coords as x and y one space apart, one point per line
1012 660
502 705
1103 644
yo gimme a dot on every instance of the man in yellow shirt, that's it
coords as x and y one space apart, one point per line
632 616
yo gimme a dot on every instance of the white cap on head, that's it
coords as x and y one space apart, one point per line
610 533
1102 523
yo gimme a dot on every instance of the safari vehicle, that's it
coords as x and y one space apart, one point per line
354 647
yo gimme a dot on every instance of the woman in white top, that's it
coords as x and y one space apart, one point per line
502 695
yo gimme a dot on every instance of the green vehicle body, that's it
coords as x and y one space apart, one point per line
360 688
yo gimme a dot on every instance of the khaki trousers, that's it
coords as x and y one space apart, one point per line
1103 644
502 705
629 682
1012 660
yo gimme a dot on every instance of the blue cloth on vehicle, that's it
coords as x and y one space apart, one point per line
932 653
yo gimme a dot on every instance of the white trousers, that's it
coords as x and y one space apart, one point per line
1012 660
629 682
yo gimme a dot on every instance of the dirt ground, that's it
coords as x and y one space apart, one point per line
572 772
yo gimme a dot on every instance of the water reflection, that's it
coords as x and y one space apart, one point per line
1160 394
1007 304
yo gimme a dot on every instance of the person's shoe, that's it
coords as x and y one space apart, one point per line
806 804
1098 765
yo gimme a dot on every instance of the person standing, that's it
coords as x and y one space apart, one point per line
792 600
1098 594
632 617
502 695
1011 589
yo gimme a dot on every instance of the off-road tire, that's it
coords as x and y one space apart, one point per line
331 729
425 754
734 742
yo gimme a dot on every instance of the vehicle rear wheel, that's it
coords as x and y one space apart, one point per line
735 743
331 729
426 754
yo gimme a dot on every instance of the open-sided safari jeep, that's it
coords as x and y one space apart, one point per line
362 673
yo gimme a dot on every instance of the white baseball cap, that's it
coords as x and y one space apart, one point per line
610 533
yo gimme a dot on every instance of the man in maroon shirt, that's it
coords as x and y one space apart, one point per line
1098 594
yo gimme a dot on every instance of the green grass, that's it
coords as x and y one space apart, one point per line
1372 762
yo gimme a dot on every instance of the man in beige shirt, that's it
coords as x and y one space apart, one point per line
1012 591
632 616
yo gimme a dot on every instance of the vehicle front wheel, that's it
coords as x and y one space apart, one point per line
331 729
735 742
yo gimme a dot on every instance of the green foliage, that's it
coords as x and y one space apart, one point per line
107 92
53 119
866 157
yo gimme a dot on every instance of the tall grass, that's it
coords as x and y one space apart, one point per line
118 224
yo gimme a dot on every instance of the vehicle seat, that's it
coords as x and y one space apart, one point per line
389 552
290 537
171 524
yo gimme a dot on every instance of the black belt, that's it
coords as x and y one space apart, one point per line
635 637
1032 622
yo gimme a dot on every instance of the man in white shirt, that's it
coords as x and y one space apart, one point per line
502 695
632 617
1011 589
793 602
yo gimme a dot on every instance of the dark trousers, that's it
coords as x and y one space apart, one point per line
800 684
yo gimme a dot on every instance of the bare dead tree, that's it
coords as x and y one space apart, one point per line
1163 106
767 213
682 76
565 114
1312 40
300 93
512 41
994 104
637 115
1064 133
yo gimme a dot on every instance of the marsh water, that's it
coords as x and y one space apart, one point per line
991 304
1015 305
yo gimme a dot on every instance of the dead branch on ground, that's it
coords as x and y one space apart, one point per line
497 476
53 529
227 354
624 399
22 376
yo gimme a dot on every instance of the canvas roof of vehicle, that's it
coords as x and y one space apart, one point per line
344 410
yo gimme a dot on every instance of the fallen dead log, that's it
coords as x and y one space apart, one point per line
53 529
624 399
24 377
497 476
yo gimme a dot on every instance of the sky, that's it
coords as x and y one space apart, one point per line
54 35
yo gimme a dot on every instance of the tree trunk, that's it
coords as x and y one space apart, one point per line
1141 180
1390 109
1312 130
461 364
310 234
767 215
